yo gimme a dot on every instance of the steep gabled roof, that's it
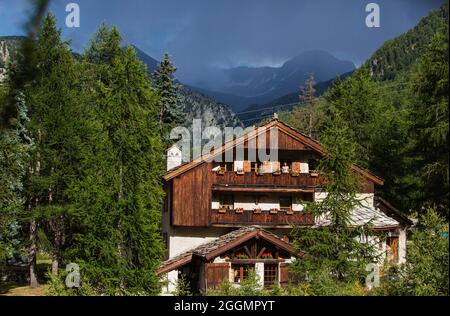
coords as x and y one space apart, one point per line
388 209
274 123
224 243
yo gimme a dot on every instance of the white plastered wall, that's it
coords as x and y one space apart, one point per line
184 239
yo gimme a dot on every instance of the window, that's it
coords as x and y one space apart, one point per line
312 164
240 272
285 203
226 166
226 201
270 274
392 249
254 167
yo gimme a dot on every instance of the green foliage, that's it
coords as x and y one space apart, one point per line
430 125
400 54
183 288
57 286
248 287
168 104
333 254
426 271
117 200
14 148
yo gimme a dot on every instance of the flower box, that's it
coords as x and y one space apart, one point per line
267 255
290 211
314 173
277 173
222 210
256 211
239 210
295 174
273 211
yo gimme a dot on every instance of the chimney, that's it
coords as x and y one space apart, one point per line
174 157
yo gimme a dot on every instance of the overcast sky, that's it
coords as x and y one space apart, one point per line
226 33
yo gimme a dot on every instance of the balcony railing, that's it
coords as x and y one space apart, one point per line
249 179
235 218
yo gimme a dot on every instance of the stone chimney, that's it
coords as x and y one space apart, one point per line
174 157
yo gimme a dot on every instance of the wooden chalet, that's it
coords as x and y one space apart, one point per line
216 212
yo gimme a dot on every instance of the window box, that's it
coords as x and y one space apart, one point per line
239 210
314 173
277 173
273 211
267 255
256 211
222 210
220 172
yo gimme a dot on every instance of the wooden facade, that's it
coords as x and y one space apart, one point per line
192 186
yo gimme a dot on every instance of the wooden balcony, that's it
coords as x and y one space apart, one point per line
281 219
251 179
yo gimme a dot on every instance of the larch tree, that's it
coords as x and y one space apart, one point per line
50 98
117 201
336 252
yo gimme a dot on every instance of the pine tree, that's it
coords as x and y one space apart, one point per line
169 105
118 198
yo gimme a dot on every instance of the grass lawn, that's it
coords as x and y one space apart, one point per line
14 289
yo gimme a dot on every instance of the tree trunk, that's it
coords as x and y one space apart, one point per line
33 249
57 243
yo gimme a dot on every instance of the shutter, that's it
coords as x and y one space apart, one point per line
267 167
296 167
275 166
247 166
216 274
284 274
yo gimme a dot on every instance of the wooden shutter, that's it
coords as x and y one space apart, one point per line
393 251
296 167
216 274
284 274
275 166
247 166
267 167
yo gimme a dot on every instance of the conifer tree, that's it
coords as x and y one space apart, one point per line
50 97
430 126
14 149
118 198
308 116
331 248
169 105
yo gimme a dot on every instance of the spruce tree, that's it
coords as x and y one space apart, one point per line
169 105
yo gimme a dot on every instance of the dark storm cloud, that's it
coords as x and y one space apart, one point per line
203 33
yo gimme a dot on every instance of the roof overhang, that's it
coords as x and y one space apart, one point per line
308 141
